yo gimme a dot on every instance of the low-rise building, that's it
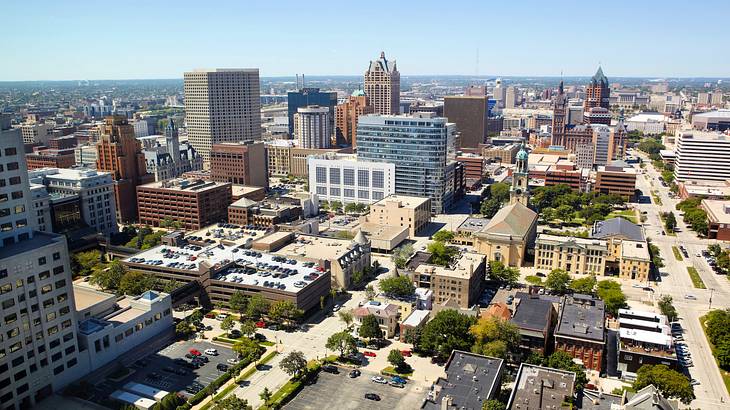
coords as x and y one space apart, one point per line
508 235
718 219
399 210
580 331
417 319
540 388
628 252
504 154
704 189
574 255
51 158
383 238
193 203
460 283
616 178
471 380
386 314
644 338
266 213
535 318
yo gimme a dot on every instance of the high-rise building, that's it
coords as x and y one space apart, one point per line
120 153
344 178
418 146
382 86
559 116
222 105
511 97
241 163
39 350
702 156
312 127
305 97
597 92
499 92
470 114
346 115
36 133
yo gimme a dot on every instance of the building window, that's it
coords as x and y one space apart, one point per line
348 175
363 178
378 179
321 190
335 191
321 175
363 194
349 193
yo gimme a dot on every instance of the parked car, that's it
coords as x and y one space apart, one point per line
379 379
232 361
330 369
211 352
222 367
260 324
354 373
396 384
194 352
335 308
221 316
690 297
398 379
372 396
406 353
369 354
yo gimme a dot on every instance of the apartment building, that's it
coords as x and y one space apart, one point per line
459 283
242 163
344 178
385 313
346 115
193 203
312 127
399 210
580 331
645 338
470 114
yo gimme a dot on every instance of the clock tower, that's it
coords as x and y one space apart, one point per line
519 191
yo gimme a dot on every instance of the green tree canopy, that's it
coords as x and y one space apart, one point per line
228 324
248 328
397 286
495 337
672 384
558 281
395 357
494 405
85 263
238 302
346 317
401 255
501 273
232 402
610 292
135 283
108 278
564 361
449 330
667 308
585 285
342 342
441 254
369 328
294 364
247 349
257 307
443 236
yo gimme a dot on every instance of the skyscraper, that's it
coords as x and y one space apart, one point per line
120 153
597 92
382 86
469 113
312 127
346 115
222 105
419 147
39 346
559 116
309 96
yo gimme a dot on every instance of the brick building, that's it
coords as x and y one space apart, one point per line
242 163
194 203
580 331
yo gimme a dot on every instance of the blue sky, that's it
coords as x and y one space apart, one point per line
73 39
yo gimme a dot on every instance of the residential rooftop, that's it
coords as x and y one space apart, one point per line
532 313
471 379
538 388
582 317
463 268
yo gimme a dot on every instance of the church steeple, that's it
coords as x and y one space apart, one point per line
519 191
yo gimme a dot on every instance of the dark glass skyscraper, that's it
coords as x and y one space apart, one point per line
310 96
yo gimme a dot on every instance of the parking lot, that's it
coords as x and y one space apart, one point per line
338 391
164 369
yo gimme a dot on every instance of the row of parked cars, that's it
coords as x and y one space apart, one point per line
713 262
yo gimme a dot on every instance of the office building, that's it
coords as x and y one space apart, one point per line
718 219
574 255
580 331
418 146
242 163
266 213
305 97
540 388
628 252
382 86
39 350
598 94
413 213
504 154
221 105
51 158
85 156
644 338
193 203
470 114
702 156
616 178
471 380
278 157
346 115
85 193
119 153
718 120
512 97
36 133
629 99
172 159
341 177
499 92
312 127
473 167
460 283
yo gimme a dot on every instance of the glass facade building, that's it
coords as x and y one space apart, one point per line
419 147
310 96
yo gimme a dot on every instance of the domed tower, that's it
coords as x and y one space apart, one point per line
519 191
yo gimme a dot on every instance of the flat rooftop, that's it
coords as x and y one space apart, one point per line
582 317
240 190
717 211
316 247
87 297
230 234
185 185
538 388
402 201
470 379
463 268
381 232
635 250
472 224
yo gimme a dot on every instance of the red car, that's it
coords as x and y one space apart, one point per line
260 324
369 354
406 353
210 315
195 352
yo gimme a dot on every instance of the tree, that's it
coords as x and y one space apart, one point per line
398 286
136 283
670 383
448 331
357 277
257 307
228 324
183 329
369 292
232 402
490 207
494 405
722 353
238 302
670 222
501 273
499 191
401 255
294 364
336 206
564 361
247 349
495 337
196 316
265 395
443 236
667 308
558 281
714 249
441 254
170 286
584 285
283 309
108 278
85 263
395 357
369 328
346 317
565 213
170 402
248 328
717 323
534 280
610 292
342 342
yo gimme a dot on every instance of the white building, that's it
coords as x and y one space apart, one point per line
312 127
38 344
36 132
41 208
344 178
648 123
94 190
702 156
85 156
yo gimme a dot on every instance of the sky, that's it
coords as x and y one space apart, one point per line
132 39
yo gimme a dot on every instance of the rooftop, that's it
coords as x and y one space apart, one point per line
713 114
619 227
539 388
382 232
416 318
378 309
186 185
635 250
532 313
472 224
598 400
707 188
470 380
717 211
87 297
463 268
400 201
511 220
316 247
582 317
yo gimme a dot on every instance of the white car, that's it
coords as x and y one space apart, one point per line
232 361
378 379
335 308
211 352
690 297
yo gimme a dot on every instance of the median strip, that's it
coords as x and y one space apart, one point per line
696 279
677 254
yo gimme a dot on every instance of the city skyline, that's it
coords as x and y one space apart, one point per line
155 42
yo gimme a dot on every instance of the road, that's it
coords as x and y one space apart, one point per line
675 281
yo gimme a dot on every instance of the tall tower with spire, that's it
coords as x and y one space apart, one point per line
519 191
382 86
597 92
173 144
559 116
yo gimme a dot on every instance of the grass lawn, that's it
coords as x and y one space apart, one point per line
696 280
725 374
677 253
629 214
390 370
655 197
